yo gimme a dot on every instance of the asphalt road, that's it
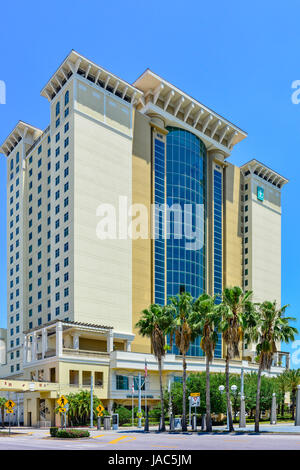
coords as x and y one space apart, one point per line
124 440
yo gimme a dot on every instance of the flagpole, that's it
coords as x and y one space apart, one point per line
132 393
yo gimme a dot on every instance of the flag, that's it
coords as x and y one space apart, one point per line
146 369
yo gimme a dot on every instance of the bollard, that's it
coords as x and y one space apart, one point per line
106 423
273 419
203 423
160 424
146 424
194 423
242 413
172 427
297 418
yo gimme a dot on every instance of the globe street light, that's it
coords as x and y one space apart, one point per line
221 390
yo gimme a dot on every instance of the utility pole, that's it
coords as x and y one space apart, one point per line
92 404
140 401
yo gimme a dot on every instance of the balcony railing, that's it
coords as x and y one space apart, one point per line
82 352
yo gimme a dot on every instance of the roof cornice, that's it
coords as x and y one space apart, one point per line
170 99
76 63
254 167
20 131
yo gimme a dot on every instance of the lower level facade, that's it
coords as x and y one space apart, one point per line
65 357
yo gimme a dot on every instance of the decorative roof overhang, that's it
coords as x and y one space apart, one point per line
21 131
177 107
254 167
77 64
71 324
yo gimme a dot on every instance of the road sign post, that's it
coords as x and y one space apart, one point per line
9 405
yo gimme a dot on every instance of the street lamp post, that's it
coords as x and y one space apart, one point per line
221 390
242 407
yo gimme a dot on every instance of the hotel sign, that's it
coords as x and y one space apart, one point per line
260 193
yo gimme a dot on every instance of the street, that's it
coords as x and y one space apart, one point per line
37 439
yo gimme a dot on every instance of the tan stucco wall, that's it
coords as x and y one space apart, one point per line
232 261
141 248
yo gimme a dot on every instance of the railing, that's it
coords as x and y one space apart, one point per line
82 352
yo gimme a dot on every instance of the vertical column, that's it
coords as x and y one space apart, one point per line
110 341
25 350
34 346
59 339
44 342
216 178
128 346
76 341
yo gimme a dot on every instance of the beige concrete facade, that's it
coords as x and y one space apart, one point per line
75 296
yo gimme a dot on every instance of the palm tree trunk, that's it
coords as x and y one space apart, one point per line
257 410
184 426
208 410
231 428
163 427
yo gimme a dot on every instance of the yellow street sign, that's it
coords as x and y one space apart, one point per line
9 410
195 394
100 408
10 404
100 414
62 401
62 410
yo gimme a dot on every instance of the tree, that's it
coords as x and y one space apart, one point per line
233 308
182 310
206 319
80 406
155 323
273 327
2 403
282 381
293 380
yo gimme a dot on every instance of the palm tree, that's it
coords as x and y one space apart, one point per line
155 323
273 327
293 380
182 310
80 406
234 323
208 317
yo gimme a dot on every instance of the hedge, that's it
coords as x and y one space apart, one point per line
70 433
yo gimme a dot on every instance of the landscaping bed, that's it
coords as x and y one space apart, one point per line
69 433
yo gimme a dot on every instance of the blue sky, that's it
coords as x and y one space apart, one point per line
238 58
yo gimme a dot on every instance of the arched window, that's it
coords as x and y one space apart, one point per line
57 109
66 97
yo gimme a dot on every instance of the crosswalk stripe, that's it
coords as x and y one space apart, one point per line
100 435
121 438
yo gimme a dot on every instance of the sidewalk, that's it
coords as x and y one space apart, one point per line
288 428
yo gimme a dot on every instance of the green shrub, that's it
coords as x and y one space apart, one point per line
155 413
72 433
125 415
53 431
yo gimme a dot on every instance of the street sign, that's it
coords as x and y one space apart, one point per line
195 394
10 404
62 401
9 410
100 408
62 410
195 401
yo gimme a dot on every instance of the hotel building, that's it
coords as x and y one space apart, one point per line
73 299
